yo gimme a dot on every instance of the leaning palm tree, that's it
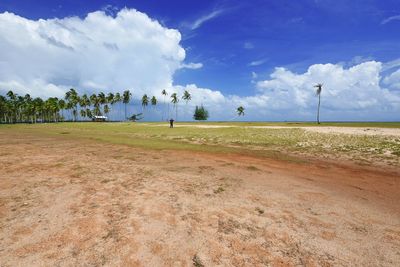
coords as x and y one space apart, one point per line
318 93
240 111
175 100
164 93
126 97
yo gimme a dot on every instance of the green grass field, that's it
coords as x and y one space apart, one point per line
281 143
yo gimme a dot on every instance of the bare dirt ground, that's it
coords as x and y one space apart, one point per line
80 203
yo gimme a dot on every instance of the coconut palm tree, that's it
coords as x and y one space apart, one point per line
73 99
126 97
240 111
83 103
153 101
61 104
186 96
175 101
96 105
318 93
102 98
106 109
13 105
145 101
83 113
164 93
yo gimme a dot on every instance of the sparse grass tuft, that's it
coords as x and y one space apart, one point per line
220 189
252 168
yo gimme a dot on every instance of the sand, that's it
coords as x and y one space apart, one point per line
67 202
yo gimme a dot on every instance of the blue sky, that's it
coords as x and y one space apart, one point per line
238 45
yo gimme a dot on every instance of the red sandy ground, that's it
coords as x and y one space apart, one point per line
77 203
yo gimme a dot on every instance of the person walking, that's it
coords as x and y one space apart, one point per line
171 123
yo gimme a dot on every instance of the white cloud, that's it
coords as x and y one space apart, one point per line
355 91
389 19
391 64
193 66
200 21
132 51
128 51
257 62
393 80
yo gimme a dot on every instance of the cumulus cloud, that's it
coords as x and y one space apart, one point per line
125 51
354 91
129 50
392 81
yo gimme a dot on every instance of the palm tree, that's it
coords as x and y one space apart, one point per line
126 97
154 101
164 93
240 111
102 98
13 105
89 113
83 102
175 100
61 104
73 99
111 99
106 109
145 101
96 105
117 99
83 113
318 93
186 96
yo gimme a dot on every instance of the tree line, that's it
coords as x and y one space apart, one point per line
15 108
25 109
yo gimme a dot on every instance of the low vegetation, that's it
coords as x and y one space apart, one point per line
280 142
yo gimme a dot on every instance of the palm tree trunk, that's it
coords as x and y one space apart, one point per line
162 116
319 104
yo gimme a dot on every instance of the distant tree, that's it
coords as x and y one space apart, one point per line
145 101
318 93
175 100
153 101
240 111
126 97
200 113
106 109
164 93
83 113
73 100
186 96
